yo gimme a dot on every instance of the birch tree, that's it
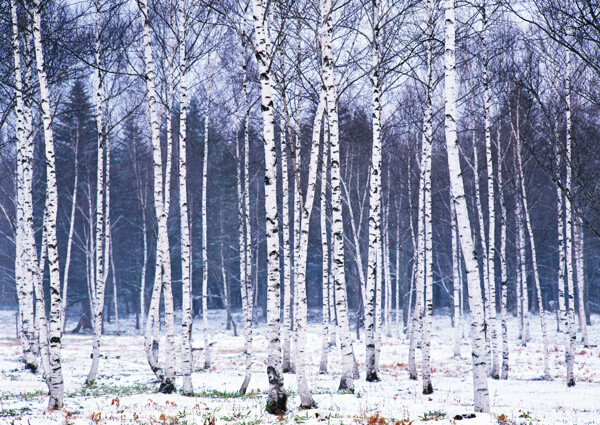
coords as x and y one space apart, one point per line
277 398
341 304
54 377
374 275
186 284
25 261
480 387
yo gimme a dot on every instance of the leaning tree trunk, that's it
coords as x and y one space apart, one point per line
480 385
277 398
55 378
341 303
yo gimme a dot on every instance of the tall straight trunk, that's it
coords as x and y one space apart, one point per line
491 213
99 278
427 213
503 267
115 291
54 378
483 242
143 273
480 385
455 284
579 264
536 276
306 400
25 262
71 230
246 284
162 275
378 305
277 398
423 208
522 288
387 277
297 159
397 277
325 252
373 274
186 251
569 233
207 353
341 303
287 286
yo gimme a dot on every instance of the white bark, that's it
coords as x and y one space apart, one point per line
536 276
569 235
325 250
277 398
54 379
491 239
503 267
480 387
25 251
101 228
347 380
162 275
207 351
245 231
373 274
427 246
287 296
455 284
579 238
186 252
306 400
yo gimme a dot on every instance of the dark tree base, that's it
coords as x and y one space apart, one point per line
166 387
372 377
428 389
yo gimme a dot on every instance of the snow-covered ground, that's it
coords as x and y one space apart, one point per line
126 389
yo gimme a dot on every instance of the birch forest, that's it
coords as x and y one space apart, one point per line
300 211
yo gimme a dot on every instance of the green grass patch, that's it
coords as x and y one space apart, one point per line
98 390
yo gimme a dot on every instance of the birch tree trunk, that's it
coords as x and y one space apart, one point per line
480 387
162 273
306 400
579 238
25 250
207 353
374 275
536 275
522 293
186 251
325 250
491 239
277 398
287 284
341 303
455 284
569 234
247 274
55 378
99 278
71 230
503 268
